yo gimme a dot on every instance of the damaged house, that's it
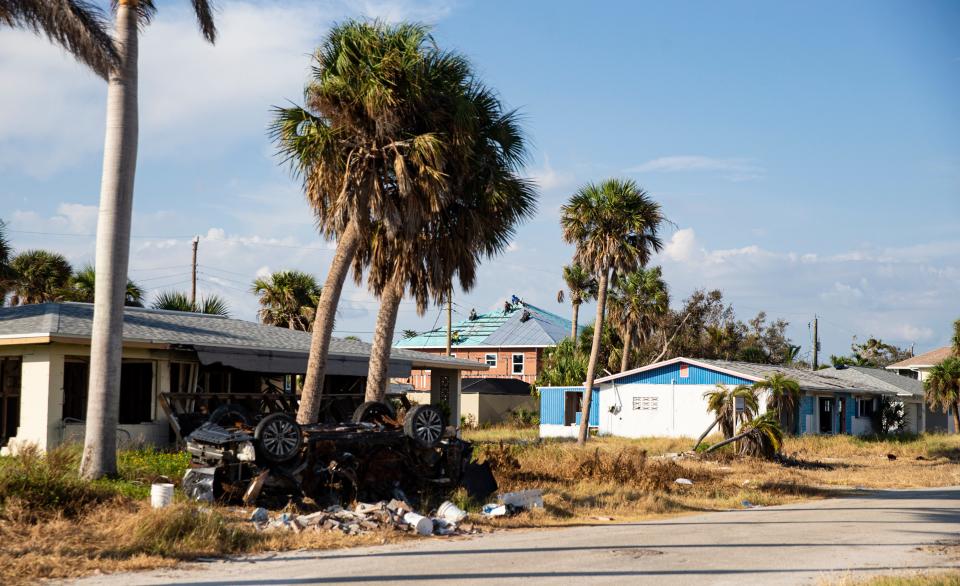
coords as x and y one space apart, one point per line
177 368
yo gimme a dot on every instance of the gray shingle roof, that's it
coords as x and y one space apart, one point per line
878 377
177 327
808 379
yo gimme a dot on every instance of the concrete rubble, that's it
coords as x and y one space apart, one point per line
363 518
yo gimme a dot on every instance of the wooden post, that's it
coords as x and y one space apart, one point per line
449 320
816 343
193 276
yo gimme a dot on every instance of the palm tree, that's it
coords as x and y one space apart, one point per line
784 397
288 299
39 276
942 388
6 272
76 25
368 150
582 286
180 301
113 232
407 334
638 300
721 401
489 201
955 340
82 287
615 226
759 437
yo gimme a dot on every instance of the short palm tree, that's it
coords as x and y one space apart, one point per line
113 231
721 401
783 398
490 200
82 287
371 148
180 301
942 388
582 287
288 299
638 300
407 334
77 26
39 276
615 226
759 437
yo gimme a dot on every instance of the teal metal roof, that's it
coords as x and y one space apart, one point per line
502 327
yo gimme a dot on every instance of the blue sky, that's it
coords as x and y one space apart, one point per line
809 154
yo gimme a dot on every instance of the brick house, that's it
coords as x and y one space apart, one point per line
509 341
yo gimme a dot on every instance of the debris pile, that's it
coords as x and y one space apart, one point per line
365 517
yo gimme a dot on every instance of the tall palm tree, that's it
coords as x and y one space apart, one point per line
638 300
82 287
77 26
288 299
39 276
489 201
955 340
721 401
614 226
180 301
583 287
783 399
113 232
6 272
368 150
942 388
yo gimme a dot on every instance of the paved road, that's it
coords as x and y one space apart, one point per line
796 544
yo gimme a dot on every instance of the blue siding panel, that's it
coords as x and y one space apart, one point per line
849 410
553 401
806 408
696 375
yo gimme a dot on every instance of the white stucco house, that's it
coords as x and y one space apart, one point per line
176 366
666 399
918 368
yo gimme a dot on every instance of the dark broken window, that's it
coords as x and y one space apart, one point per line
136 391
10 372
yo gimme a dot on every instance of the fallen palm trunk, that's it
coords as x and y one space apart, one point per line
705 434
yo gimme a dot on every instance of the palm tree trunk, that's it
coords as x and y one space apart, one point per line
704 435
956 416
113 252
573 327
382 341
347 245
594 352
625 359
727 441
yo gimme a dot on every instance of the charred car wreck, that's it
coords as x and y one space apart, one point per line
376 455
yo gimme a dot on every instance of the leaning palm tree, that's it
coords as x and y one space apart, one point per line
39 276
638 301
490 200
721 401
783 399
113 232
942 388
760 437
370 148
82 287
77 26
288 299
582 286
615 227
180 301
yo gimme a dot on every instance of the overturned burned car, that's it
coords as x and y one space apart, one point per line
377 455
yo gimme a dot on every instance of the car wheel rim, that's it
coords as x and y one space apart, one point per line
428 426
280 438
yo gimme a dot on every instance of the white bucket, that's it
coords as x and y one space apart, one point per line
161 495
423 525
451 512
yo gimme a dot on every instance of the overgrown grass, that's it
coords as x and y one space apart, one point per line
927 579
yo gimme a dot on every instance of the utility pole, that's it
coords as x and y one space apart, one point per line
449 320
816 342
193 278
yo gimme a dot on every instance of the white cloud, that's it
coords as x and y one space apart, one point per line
734 169
549 179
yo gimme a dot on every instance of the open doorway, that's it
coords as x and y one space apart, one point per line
826 407
573 404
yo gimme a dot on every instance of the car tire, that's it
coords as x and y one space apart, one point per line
279 438
373 412
424 425
229 415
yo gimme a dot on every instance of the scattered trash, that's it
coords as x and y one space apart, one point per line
259 516
602 518
161 495
891 457
920 458
685 481
254 488
524 499
421 524
198 484
494 510
748 505
451 512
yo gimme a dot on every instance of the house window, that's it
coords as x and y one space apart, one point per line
572 405
684 371
641 403
75 378
865 407
517 364
136 391
490 360
10 373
